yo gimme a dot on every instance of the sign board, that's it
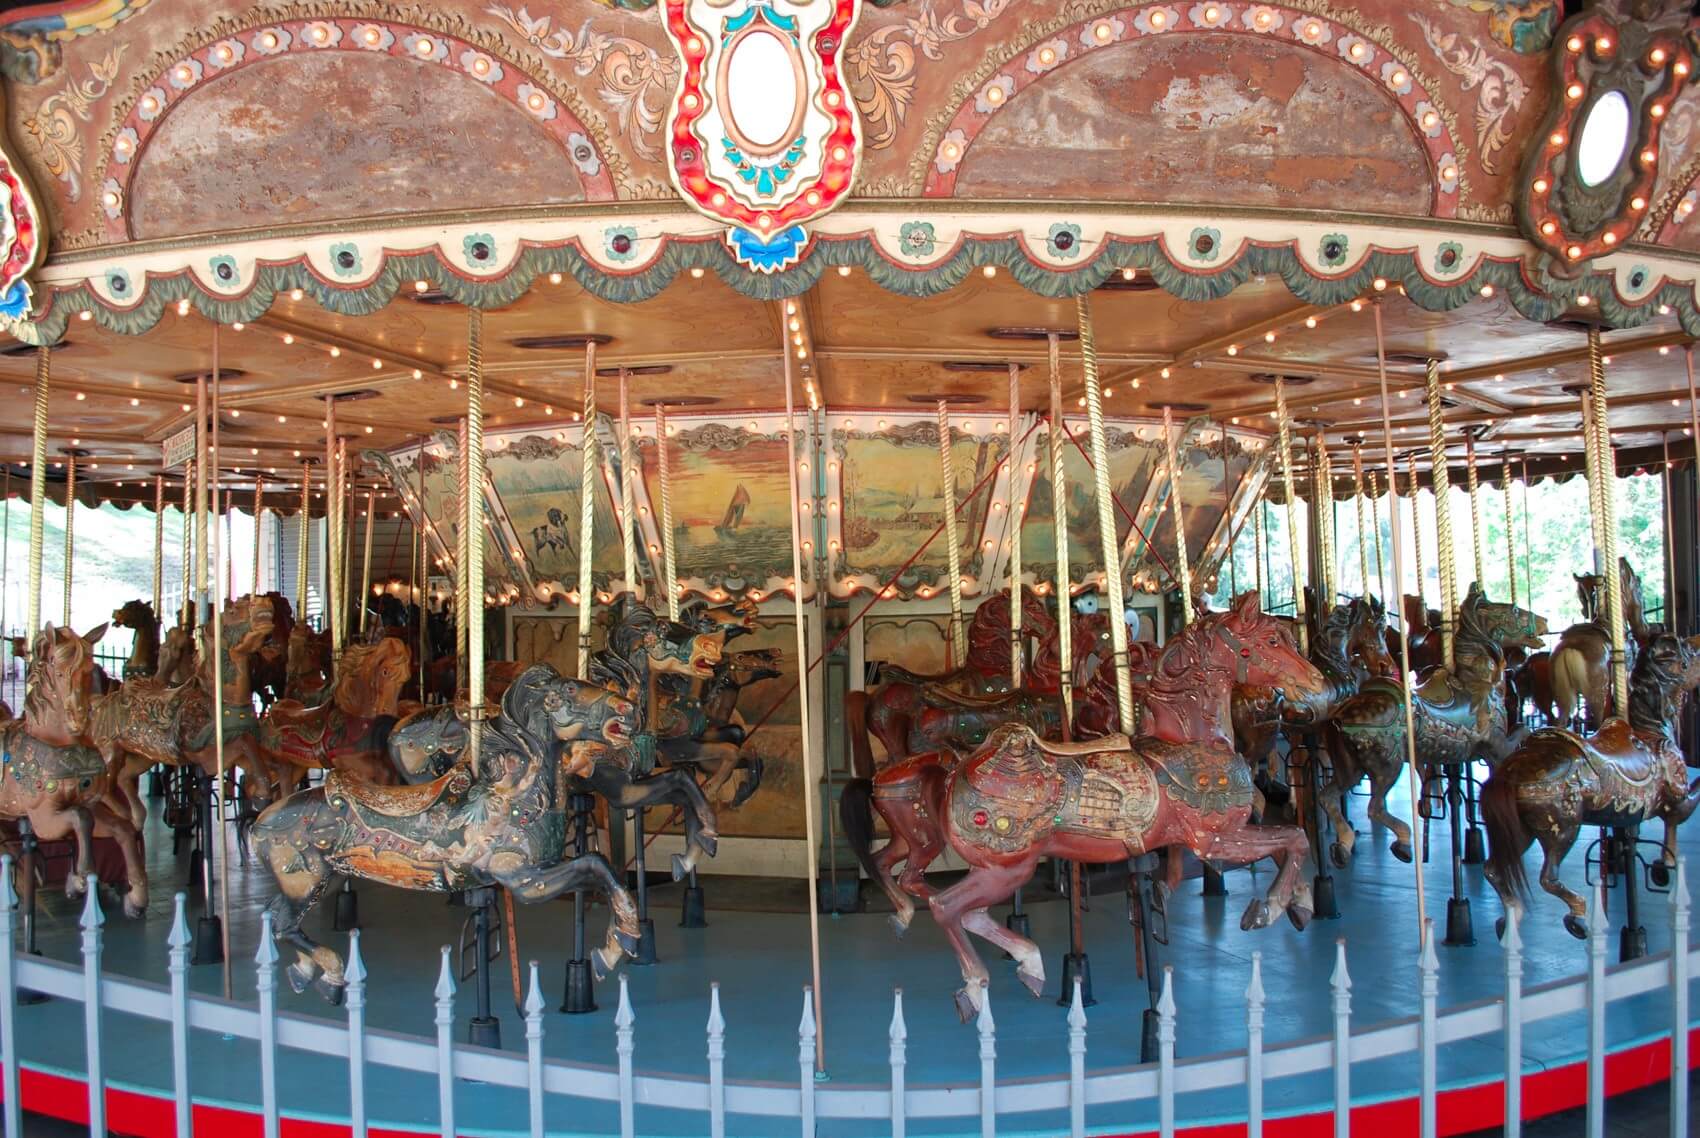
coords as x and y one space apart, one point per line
180 448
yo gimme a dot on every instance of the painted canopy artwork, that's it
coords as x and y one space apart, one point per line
1135 454
1209 483
536 482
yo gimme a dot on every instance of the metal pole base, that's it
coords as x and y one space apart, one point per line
1475 849
347 914
197 872
1322 895
1214 883
1460 931
1631 944
1148 1037
646 943
209 941
156 782
581 989
484 1031
1077 966
693 913
1020 925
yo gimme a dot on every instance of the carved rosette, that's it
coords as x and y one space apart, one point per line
762 133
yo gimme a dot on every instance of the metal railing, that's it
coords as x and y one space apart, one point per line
894 1103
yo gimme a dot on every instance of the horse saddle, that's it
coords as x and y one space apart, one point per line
1117 742
949 699
1007 790
1623 753
397 801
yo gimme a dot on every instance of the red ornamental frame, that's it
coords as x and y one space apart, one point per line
686 152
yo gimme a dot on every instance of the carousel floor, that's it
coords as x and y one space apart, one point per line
761 961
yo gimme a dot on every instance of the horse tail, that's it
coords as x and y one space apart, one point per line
1507 836
856 814
856 721
1569 679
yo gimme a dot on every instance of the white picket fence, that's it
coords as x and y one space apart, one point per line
895 1103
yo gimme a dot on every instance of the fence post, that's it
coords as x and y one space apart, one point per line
445 1047
988 1064
1341 983
1597 919
623 1047
806 1062
355 993
9 1004
93 918
179 942
534 1052
1428 972
1166 1055
716 1065
1076 1064
899 1037
1254 1004
1513 1025
1679 1004
265 988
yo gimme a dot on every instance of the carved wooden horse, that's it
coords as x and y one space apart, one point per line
1459 716
986 668
1019 799
1581 661
496 819
138 616
52 777
1629 772
348 731
148 722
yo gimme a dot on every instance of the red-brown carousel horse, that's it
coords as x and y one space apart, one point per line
347 732
1019 799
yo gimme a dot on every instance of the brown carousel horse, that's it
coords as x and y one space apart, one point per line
1422 631
1629 772
985 669
52 777
1178 782
138 616
148 722
498 818
346 732
1581 661
271 664
307 665
1459 716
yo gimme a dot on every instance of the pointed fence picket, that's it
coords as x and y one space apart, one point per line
1589 994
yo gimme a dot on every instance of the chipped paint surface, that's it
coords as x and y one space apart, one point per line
319 137
1204 118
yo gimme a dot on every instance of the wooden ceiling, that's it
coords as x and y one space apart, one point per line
117 396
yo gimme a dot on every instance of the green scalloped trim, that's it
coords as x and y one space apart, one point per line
680 255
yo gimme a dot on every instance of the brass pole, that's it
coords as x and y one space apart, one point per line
1528 539
1590 463
463 561
1606 464
70 529
228 536
1693 434
587 511
1416 528
201 505
38 486
259 513
1375 520
1054 441
158 544
344 550
669 563
424 570
474 527
952 542
628 491
332 530
1510 529
1106 517
1172 458
186 612
305 542
1475 508
1439 476
1259 513
6 550
215 655
366 562
1323 480
1358 501
1413 778
810 778
1284 440
1017 510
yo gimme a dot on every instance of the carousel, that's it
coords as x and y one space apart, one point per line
848 567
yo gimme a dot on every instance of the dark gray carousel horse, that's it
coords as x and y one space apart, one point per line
495 818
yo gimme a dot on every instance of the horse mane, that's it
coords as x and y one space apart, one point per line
1655 691
66 651
355 692
524 711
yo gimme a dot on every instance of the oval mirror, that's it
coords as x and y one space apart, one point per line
762 90
1603 139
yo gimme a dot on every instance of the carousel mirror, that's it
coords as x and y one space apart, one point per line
1603 140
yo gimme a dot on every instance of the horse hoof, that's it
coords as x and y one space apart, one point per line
752 780
332 992
1659 874
1034 982
1300 916
1577 927
600 965
1339 855
75 886
133 910
628 942
899 926
1402 851
1499 928
708 843
965 1006
299 978
1256 916
680 869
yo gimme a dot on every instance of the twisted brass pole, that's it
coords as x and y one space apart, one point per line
1606 464
587 510
669 562
70 529
1416 528
1358 501
628 491
259 513
1284 440
1475 508
333 531
158 545
463 559
1375 520
304 543
421 528
1171 455
1324 498
1017 509
344 543
38 487
1258 519
215 654
6 550
1590 464
1528 539
1438 475
1106 517
227 535
201 505
1054 436
186 614
1510 530
474 527
952 541
366 561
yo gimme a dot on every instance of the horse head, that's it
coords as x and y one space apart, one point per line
1499 623
1366 639
371 676
60 683
426 743
550 706
753 666
696 655
1665 670
1261 653
137 614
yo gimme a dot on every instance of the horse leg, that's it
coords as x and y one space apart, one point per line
80 822
1288 892
1030 962
1334 805
592 869
302 872
1554 845
127 770
117 825
1380 783
983 887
